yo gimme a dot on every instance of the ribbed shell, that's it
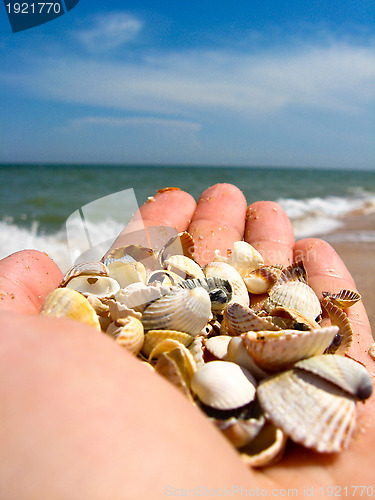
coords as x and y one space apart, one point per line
181 244
89 268
226 271
101 286
238 353
240 319
137 296
267 447
295 295
219 289
339 319
310 410
182 265
346 373
128 333
184 310
223 385
262 280
66 303
218 346
279 350
344 298
154 337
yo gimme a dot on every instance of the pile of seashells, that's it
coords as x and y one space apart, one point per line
262 374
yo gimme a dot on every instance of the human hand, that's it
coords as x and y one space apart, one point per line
59 445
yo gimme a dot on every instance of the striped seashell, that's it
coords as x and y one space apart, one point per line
338 317
223 385
117 310
226 271
290 319
100 286
310 410
295 295
184 310
197 350
244 258
279 350
220 290
344 298
128 333
344 372
154 337
240 319
89 268
183 266
237 353
180 353
70 304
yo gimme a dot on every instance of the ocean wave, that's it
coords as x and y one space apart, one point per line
310 217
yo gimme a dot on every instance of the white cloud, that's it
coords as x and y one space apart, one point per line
134 121
338 78
109 31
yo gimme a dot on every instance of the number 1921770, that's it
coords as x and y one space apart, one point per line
34 8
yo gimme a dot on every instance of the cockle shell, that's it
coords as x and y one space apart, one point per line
223 385
128 332
197 348
154 337
182 265
344 298
344 372
266 448
262 280
279 350
220 290
310 410
218 346
244 258
238 353
290 319
240 319
117 310
101 286
184 310
89 268
226 271
181 244
295 295
338 318
164 277
138 253
66 303
176 350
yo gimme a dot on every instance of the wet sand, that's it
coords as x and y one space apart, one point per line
359 257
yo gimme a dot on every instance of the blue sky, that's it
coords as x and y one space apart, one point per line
247 82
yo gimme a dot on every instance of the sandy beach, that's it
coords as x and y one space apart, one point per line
359 257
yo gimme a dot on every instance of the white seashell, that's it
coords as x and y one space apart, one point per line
240 319
163 277
185 267
237 353
117 310
239 431
128 333
223 385
196 348
295 295
310 410
138 253
279 350
182 244
89 268
262 280
346 373
126 273
184 310
220 290
218 346
66 303
372 351
244 258
179 352
226 271
101 286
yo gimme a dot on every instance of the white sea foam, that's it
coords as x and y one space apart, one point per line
310 217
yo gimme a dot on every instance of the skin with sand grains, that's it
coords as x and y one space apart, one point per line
81 418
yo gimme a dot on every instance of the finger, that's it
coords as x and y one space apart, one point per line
218 222
327 273
269 230
26 277
169 207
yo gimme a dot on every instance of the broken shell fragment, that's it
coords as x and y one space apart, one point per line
154 337
183 266
240 319
226 271
223 385
126 273
89 268
266 448
338 317
344 298
66 303
262 280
